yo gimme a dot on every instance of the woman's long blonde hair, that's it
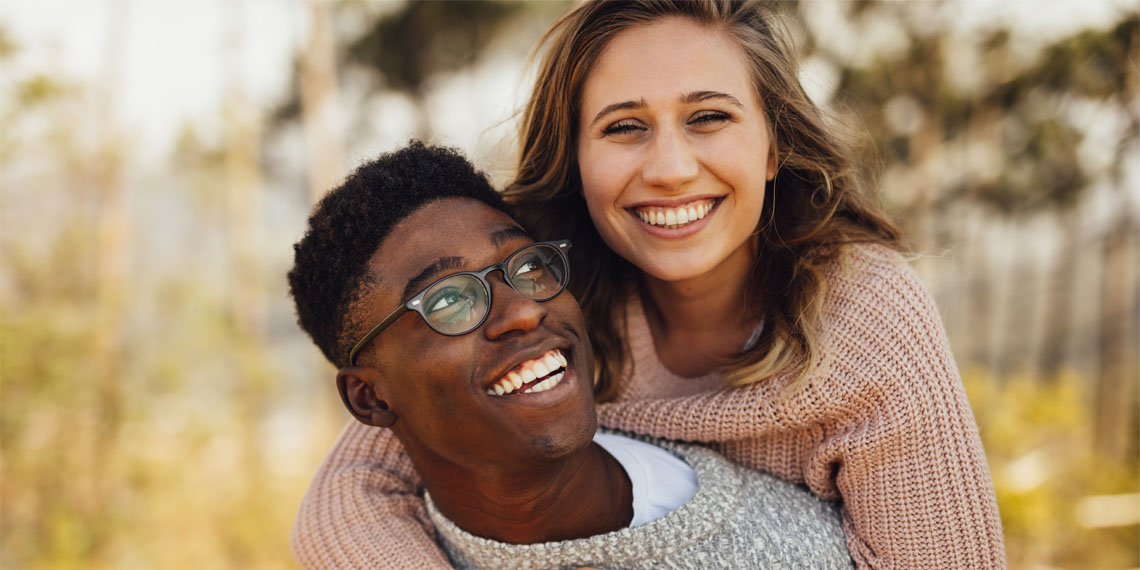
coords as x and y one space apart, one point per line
817 202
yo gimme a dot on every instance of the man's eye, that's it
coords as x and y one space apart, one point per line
443 301
530 269
451 305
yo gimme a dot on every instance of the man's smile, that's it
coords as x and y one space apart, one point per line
533 375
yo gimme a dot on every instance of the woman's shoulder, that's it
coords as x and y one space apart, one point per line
868 266
872 281
878 308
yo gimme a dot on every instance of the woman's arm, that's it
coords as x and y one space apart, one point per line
908 460
886 427
365 508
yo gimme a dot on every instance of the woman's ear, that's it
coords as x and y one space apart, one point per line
773 161
357 390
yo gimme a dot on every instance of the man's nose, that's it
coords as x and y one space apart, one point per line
671 161
511 311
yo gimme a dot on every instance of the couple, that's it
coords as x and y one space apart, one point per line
488 389
740 285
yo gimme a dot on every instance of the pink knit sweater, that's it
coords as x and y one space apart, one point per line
885 427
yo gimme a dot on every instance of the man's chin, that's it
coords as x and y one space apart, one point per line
556 445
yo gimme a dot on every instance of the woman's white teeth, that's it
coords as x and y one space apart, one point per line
675 217
528 372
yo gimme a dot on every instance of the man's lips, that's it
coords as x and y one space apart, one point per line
533 375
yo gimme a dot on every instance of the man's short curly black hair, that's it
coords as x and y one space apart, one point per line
350 223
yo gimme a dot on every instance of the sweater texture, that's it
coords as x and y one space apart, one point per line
884 426
738 518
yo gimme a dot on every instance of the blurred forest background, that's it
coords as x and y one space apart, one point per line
159 408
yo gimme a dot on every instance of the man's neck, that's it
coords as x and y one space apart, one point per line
584 495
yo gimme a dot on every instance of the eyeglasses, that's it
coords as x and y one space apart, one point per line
458 303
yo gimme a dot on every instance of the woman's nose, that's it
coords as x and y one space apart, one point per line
671 162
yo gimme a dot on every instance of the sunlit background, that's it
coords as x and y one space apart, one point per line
159 408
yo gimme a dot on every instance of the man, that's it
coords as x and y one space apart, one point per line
488 388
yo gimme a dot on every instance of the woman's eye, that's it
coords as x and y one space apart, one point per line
709 118
624 127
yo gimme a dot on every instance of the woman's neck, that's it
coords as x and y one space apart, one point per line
584 495
700 322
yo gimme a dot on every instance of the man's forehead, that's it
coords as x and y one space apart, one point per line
463 228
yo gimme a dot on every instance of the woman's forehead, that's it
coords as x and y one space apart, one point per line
666 59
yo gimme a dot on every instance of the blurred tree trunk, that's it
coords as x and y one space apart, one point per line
321 120
113 227
243 205
1058 320
1118 339
243 182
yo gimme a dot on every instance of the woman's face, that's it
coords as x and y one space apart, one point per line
674 150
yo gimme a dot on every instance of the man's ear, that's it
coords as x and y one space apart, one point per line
356 385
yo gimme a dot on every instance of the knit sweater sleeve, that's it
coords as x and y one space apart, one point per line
365 508
885 426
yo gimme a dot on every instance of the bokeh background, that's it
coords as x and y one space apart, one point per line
159 408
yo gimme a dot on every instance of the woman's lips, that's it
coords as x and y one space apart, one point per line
665 222
675 217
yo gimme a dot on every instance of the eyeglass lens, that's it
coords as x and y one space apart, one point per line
459 303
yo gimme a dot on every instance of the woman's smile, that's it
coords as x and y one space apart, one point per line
674 150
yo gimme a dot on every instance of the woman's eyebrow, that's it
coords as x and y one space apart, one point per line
617 107
698 96
692 97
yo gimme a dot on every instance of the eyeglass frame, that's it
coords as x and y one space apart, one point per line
415 304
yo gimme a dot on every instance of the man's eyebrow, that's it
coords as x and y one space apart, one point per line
423 278
617 107
502 236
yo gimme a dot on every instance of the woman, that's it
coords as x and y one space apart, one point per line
741 286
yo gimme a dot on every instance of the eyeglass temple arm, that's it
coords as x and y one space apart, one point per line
372 333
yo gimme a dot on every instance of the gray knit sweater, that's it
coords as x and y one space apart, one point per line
738 518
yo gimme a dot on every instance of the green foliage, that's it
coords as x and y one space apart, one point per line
425 38
1039 444
133 434
8 46
165 463
1015 107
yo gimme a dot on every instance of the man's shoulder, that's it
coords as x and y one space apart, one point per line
730 489
756 517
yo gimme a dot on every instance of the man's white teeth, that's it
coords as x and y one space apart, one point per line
545 384
675 217
540 368
528 372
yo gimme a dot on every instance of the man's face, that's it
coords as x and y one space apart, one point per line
442 388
